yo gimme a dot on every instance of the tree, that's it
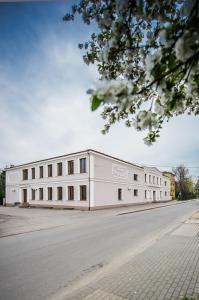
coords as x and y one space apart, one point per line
147 55
197 188
184 186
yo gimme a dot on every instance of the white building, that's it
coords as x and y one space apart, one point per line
84 180
157 185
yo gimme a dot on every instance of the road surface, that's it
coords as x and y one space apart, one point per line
38 265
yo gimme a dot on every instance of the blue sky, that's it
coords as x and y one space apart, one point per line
44 106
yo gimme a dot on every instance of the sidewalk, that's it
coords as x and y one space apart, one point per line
169 269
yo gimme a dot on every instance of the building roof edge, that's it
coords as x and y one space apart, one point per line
74 153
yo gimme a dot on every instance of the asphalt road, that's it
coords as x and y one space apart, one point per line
37 265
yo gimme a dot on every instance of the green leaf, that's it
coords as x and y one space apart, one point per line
95 103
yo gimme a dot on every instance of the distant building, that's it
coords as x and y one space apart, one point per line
171 176
157 185
84 180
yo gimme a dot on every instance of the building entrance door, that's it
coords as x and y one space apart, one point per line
154 196
25 196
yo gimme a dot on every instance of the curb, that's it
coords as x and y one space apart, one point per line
150 208
29 231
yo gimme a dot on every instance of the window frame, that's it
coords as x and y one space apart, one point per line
83 192
25 174
59 195
82 167
59 170
70 165
50 194
50 170
41 171
33 173
71 192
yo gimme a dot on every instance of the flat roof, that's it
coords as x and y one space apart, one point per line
76 153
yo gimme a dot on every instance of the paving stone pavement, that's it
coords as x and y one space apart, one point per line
169 269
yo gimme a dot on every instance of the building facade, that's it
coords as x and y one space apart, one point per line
158 185
171 176
84 180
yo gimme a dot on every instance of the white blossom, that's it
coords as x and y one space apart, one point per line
145 119
150 61
110 90
184 46
149 79
159 108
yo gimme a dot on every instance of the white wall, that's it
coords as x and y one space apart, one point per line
107 175
14 181
156 185
12 186
111 174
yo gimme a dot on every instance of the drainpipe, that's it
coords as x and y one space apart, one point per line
89 207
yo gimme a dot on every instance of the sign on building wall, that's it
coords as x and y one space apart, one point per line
119 171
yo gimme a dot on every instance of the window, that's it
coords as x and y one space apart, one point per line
25 174
145 176
82 165
70 167
153 179
41 171
33 194
33 173
50 193
59 169
160 181
157 180
160 194
59 193
41 194
50 170
165 193
165 183
149 178
135 177
145 194
136 193
82 192
119 194
70 192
